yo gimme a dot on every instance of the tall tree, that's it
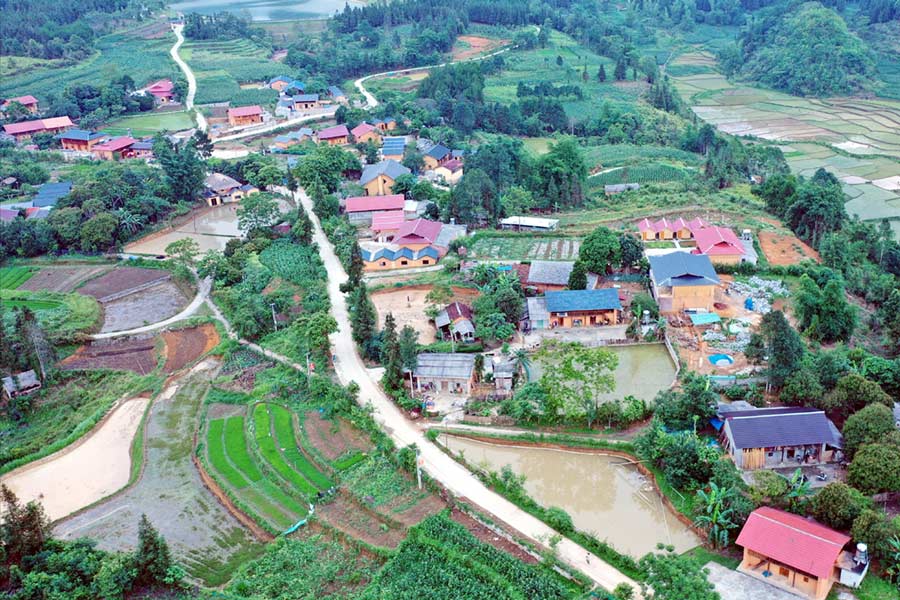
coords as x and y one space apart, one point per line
785 348
152 557
363 321
390 357
600 251
257 211
183 168
579 375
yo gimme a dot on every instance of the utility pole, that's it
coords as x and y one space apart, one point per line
274 320
419 468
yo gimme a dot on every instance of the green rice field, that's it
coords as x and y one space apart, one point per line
12 277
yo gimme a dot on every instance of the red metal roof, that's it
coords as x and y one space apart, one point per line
452 165
37 125
362 129
245 111
23 100
387 220
413 232
793 540
161 86
374 203
458 310
717 240
57 122
333 132
115 144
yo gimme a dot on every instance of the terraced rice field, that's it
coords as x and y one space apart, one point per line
525 247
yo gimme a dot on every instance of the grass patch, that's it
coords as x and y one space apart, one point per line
645 173
876 588
354 458
376 480
220 396
704 555
148 124
215 444
63 316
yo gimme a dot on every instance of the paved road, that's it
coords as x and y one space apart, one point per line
203 289
456 478
189 74
321 116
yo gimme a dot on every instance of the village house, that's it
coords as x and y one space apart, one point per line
20 384
24 130
337 95
334 136
360 210
29 103
222 189
670 229
378 179
286 140
454 322
681 281
503 372
436 156
393 148
549 275
141 149
365 132
163 91
720 244
284 107
528 224
444 372
79 140
417 243
767 438
387 124
244 115
798 555
283 83
306 101
10 182
451 171
386 225
582 308
114 149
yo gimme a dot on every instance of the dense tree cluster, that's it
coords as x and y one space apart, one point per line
94 105
220 26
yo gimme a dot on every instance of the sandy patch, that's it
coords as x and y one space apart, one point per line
408 307
76 477
849 146
785 249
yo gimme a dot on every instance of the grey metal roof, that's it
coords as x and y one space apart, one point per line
767 429
449 233
26 379
438 152
550 272
442 319
463 327
440 365
49 194
389 168
576 300
537 309
220 182
678 269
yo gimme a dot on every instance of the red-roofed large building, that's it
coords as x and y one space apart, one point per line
362 209
334 136
163 91
720 244
30 103
26 129
244 115
115 148
386 225
797 554
669 229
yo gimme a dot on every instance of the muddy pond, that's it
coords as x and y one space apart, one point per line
267 10
605 495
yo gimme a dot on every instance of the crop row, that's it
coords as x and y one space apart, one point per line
284 433
652 173
12 277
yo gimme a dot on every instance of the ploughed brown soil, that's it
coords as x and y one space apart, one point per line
489 537
348 515
187 345
61 279
784 249
474 45
330 443
138 355
120 280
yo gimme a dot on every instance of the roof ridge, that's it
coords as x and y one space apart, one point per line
798 530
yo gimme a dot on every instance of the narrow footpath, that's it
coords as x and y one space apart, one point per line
189 75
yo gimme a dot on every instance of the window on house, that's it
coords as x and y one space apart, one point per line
404 262
383 264
426 262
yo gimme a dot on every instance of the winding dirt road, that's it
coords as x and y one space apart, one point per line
189 75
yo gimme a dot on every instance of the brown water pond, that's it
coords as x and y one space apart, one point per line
605 495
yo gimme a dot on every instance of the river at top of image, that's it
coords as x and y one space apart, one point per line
605 495
267 10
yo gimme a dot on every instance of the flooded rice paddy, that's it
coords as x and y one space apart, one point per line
605 495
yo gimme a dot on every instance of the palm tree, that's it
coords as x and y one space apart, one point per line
129 220
522 362
799 490
715 514
893 559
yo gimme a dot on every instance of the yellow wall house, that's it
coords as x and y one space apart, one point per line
682 281
222 189
378 179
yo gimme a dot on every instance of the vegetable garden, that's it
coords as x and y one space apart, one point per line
222 65
12 277
645 173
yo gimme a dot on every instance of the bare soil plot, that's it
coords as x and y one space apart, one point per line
333 438
785 249
85 472
489 537
421 509
130 354
187 345
121 281
62 279
348 516
408 307
145 307
468 46
203 536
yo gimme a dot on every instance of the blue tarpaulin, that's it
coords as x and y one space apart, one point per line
716 423
705 318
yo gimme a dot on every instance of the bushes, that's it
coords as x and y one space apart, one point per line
838 505
559 520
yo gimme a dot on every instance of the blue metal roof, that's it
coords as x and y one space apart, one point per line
284 78
438 151
81 135
49 193
705 318
335 91
395 253
576 300
678 269
306 98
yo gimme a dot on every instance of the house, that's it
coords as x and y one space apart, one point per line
386 225
29 103
451 171
454 322
720 244
141 149
222 189
114 149
529 224
36 213
20 384
293 138
387 124
244 115
337 95
24 130
549 275
305 101
537 317
436 156
163 91
393 148
765 438
365 132
394 257
681 281
48 194
797 554
583 308
10 182
670 229
503 372
418 233
283 82
444 372
79 140
284 107
360 210
416 243
618 188
378 179
334 136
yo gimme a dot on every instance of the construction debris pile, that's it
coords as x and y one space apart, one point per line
759 292
719 341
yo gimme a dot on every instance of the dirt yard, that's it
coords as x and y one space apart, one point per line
145 307
86 472
187 345
131 354
469 46
62 279
121 281
408 306
783 249
330 442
